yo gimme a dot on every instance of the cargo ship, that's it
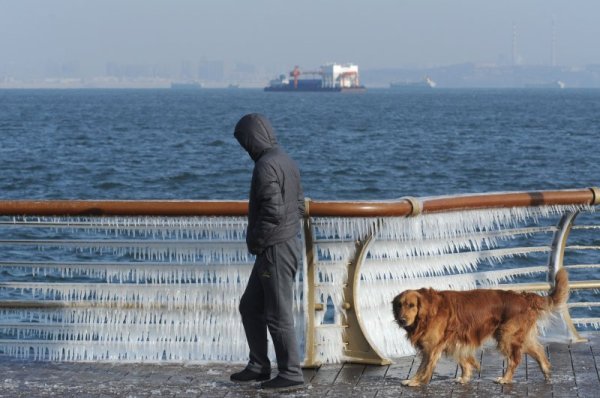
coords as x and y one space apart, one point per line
328 78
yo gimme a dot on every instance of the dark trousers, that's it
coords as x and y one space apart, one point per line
267 303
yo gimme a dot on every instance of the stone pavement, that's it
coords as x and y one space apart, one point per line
575 374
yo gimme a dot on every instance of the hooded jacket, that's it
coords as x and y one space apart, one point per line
276 203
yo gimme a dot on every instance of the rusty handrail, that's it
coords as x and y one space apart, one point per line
174 208
403 207
400 207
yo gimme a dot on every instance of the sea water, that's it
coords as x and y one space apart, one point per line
382 144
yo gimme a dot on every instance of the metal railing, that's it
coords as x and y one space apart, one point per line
161 280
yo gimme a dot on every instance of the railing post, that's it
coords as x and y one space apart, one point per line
556 262
310 360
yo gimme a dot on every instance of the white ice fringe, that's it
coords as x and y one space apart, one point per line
197 228
334 250
177 300
142 272
131 333
168 288
436 225
419 267
154 250
332 272
329 343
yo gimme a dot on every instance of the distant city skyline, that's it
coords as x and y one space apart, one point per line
230 40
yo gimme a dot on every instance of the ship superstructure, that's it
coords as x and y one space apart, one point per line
329 78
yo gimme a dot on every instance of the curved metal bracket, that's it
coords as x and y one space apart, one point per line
556 262
559 242
359 348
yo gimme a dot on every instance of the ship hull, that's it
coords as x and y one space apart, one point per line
291 89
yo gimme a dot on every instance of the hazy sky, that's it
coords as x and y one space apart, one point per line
279 33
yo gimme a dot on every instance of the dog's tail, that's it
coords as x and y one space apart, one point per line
560 293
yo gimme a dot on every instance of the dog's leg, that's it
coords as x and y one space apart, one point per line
428 371
419 377
512 341
416 379
513 352
535 349
467 363
465 371
475 363
425 371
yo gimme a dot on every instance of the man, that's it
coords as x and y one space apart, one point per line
276 207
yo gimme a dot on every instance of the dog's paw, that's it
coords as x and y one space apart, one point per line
502 380
462 380
411 383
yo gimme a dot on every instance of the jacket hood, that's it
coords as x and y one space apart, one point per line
255 134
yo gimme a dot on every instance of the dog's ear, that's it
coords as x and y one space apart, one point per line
396 304
426 307
422 306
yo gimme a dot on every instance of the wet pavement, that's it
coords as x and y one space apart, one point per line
575 374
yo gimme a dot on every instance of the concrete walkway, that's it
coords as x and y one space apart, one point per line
575 374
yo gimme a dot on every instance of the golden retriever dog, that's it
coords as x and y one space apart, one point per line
456 323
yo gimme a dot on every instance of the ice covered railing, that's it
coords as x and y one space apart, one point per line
160 281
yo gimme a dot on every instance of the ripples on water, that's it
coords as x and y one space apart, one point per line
162 144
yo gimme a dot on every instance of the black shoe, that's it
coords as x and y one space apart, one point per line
280 383
249 375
